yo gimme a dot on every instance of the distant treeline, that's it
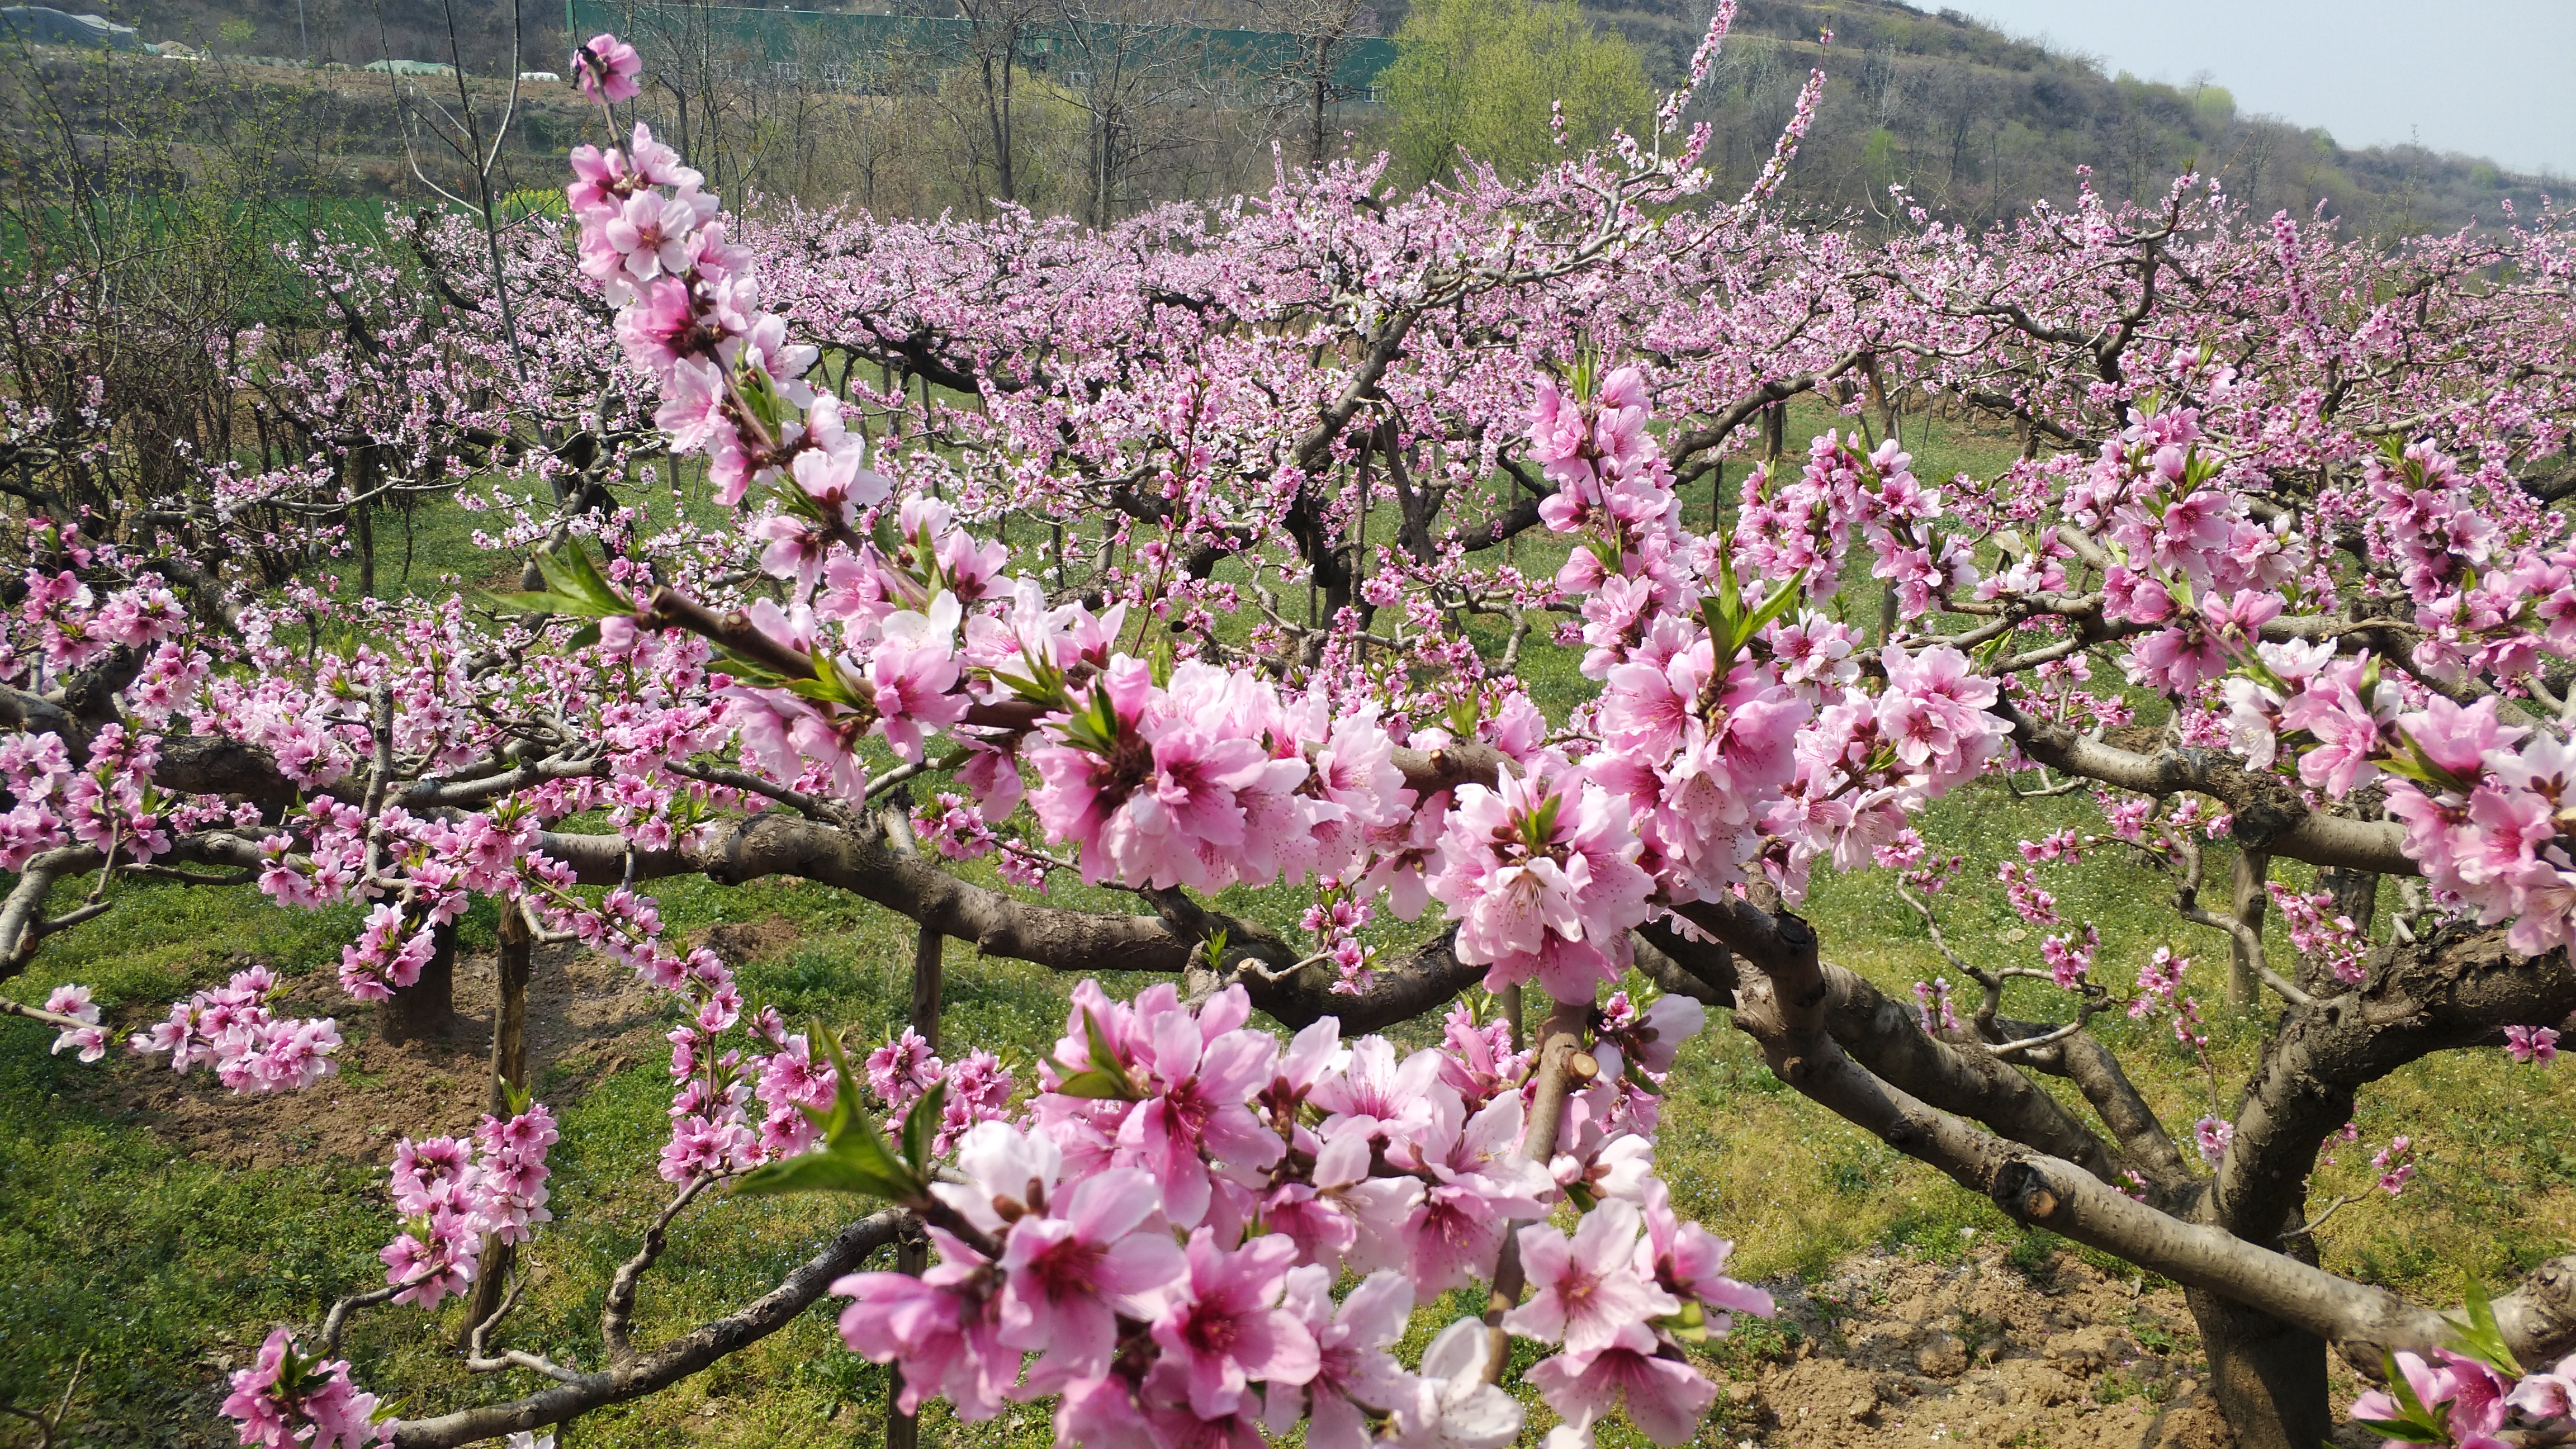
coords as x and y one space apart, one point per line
1969 122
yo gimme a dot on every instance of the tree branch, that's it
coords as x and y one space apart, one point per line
658 1369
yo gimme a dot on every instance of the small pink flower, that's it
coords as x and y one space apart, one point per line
607 69
1664 1397
1228 1331
1354 1369
1589 1295
2533 1044
2213 1135
1070 1276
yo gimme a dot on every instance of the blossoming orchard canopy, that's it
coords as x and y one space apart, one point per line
1038 623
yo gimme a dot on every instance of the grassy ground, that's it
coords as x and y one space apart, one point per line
148 1272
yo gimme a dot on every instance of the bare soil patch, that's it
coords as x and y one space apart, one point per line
588 1018
1896 1350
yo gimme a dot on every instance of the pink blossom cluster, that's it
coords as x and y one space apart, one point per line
1212 780
2484 816
1541 873
2198 569
1336 919
108 802
1804 525
87 1037
1165 1233
2395 1164
287 1401
457 1194
978 1088
1775 739
387 956
1870 762
2021 888
232 1029
2331 940
2532 1045
2466 1401
2070 957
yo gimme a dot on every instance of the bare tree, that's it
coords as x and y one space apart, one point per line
1137 74
1325 32
998 32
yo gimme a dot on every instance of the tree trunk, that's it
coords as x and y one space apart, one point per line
929 955
427 1007
515 964
2356 896
362 519
903 1431
912 1251
2269 1378
2246 901
510 972
1323 83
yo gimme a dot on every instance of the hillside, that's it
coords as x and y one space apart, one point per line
1977 124
1973 123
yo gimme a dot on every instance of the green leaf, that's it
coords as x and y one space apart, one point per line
825 1171
2483 1339
2403 1432
1690 1325
1097 1086
2418 766
515 602
824 686
1044 685
1104 1057
1637 1078
860 1161
2404 1392
574 586
921 1128
1719 616
1772 608
569 571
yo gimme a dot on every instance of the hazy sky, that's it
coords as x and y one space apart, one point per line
2490 77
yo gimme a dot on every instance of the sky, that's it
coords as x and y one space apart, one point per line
2494 78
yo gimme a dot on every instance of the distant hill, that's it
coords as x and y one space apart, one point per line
1975 123
1978 124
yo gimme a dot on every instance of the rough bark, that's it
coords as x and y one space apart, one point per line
2269 1377
2246 901
2266 811
427 1007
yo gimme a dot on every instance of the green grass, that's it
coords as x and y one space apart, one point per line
149 1271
